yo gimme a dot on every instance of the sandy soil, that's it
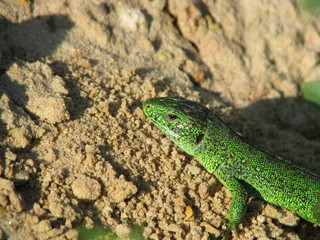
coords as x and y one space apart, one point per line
76 147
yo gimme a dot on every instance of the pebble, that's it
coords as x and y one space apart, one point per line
123 230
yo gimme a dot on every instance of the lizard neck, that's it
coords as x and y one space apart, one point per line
219 145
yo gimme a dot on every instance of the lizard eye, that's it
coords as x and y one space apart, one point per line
172 117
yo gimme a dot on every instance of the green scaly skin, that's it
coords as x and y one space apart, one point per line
241 167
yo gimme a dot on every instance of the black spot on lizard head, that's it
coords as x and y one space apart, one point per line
182 120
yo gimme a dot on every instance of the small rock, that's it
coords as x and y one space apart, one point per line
32 219
189 214
88 222
196 232
18 138
121 189
43 226
203 190
3 200
10 156
289 219
284 216
123 230
86 188
7 188
217 221
173 228
72 234
261 218
193 169
210 229
56 208
154 236
38 210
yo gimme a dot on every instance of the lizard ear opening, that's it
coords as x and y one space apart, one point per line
199 138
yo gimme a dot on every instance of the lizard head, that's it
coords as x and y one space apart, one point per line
183 121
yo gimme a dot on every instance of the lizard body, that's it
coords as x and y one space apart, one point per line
241 167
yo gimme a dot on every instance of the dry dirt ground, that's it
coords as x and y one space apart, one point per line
76 147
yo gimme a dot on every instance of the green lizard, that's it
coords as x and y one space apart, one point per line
241 167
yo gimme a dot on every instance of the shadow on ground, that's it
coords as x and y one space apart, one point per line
28 41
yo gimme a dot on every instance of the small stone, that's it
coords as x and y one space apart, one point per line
217 221
174 228
147 231
123 230
193 170
86 188
21 177
43 226
38 210
196 232
210 229
3 200
121 189
32 219
189 214
18 138
289 219
264 238
88 222
154 236
56 209
52 233
203 190
72 234
138 111
7 188
10 156
261 218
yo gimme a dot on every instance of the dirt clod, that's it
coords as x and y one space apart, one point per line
123 230
10 196
121 190
86 188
